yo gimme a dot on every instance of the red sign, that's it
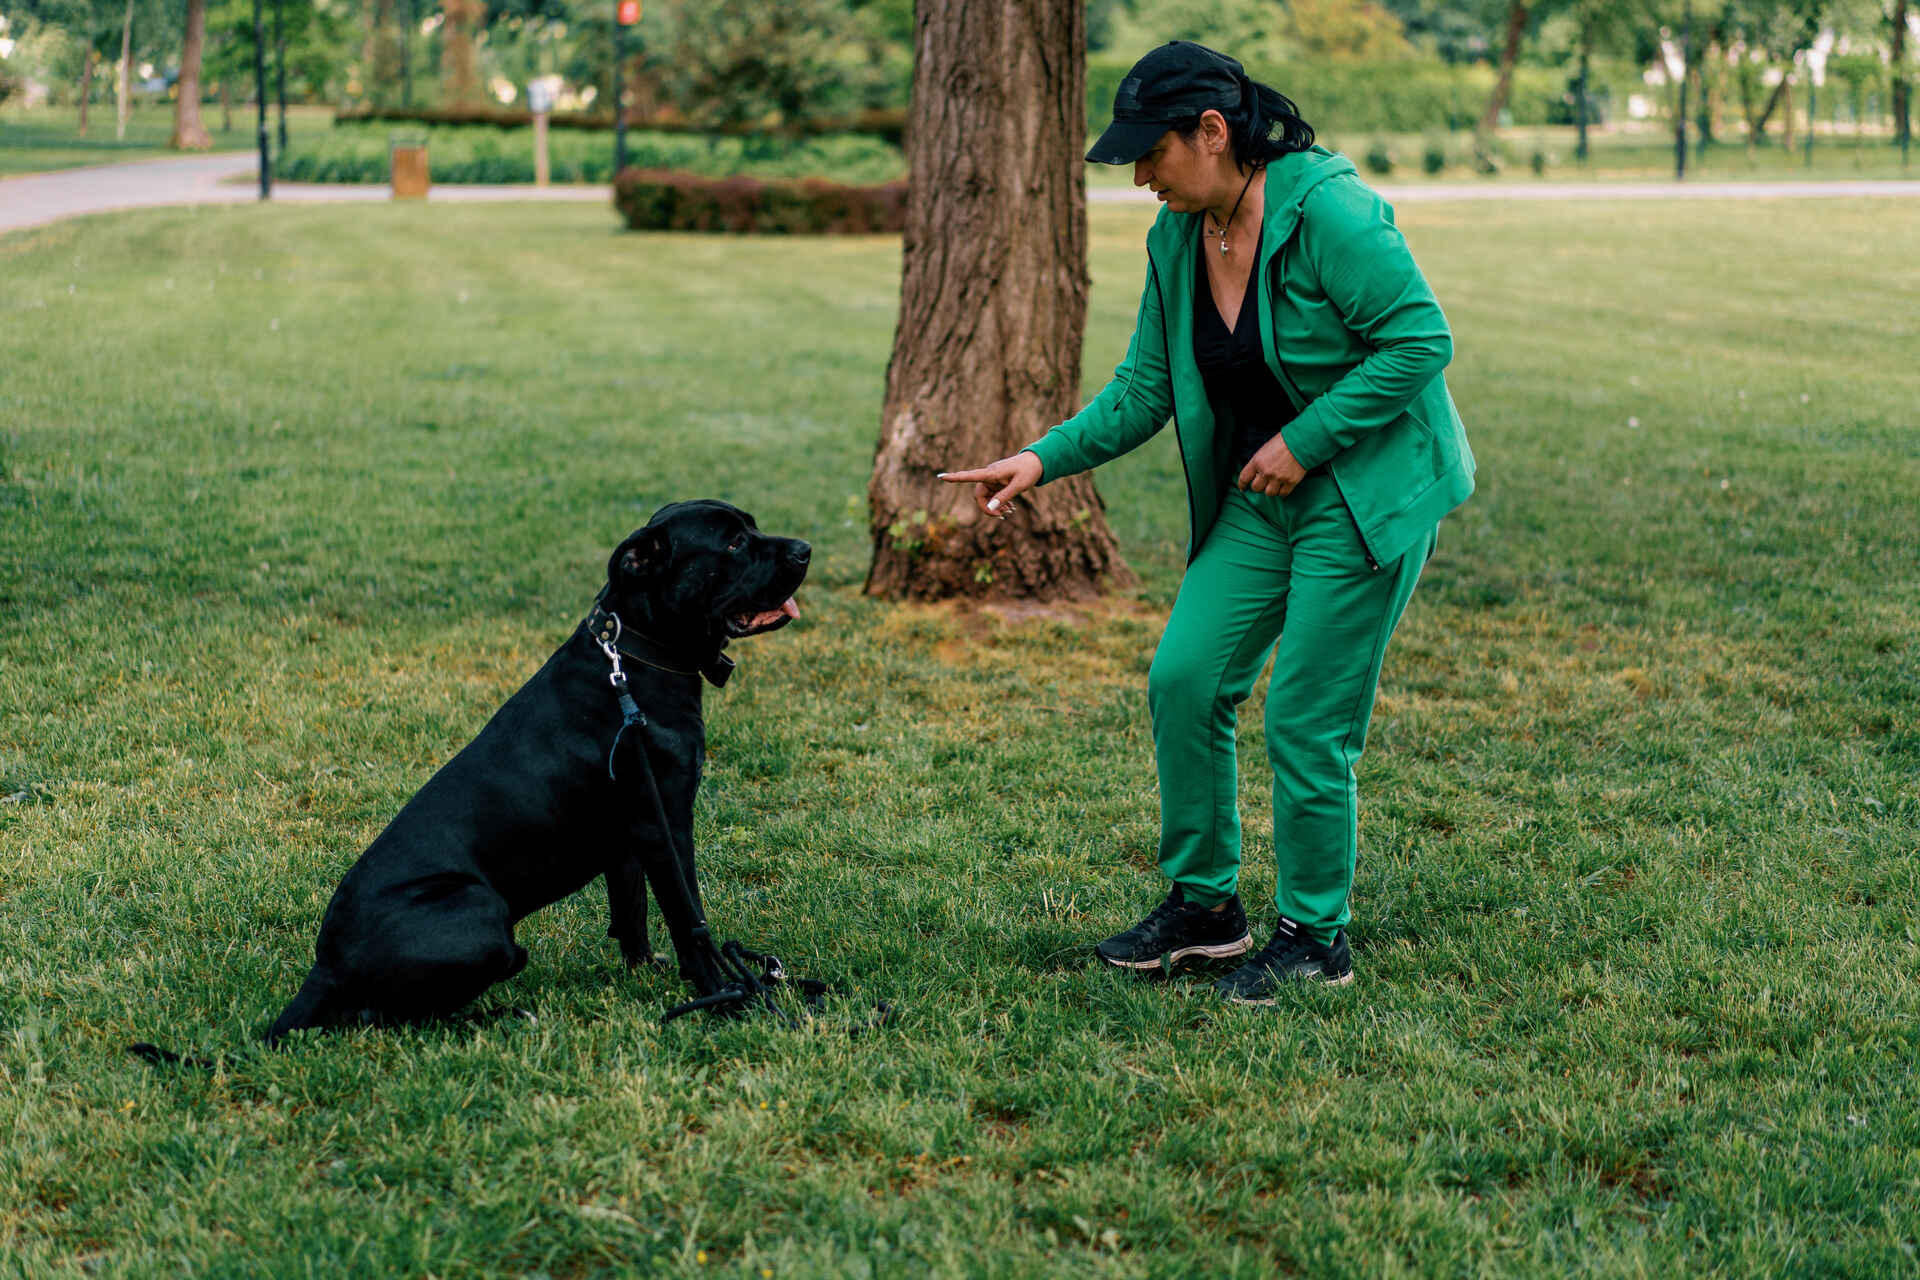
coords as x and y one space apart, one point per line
629 12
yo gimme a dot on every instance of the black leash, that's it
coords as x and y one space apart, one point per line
745 989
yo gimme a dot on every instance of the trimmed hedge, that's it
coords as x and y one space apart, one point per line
486 154
890 124
666 200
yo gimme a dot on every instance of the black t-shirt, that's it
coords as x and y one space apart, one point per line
1247 399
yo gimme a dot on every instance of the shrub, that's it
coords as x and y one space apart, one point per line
886 123
1434 158
668 200
1379 158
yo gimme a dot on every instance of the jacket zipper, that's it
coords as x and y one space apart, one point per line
1166 347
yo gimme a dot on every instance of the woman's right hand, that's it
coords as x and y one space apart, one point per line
997 484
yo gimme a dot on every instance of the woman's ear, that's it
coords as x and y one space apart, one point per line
1213 128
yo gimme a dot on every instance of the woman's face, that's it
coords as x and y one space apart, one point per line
1177 171
1185 174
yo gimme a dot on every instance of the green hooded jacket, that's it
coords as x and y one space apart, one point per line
1350 329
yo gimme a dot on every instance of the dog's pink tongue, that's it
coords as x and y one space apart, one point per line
761 621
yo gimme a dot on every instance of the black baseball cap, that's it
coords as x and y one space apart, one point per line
1174 83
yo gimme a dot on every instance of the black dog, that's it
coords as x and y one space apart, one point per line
561 787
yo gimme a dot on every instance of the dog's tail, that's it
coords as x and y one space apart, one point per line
310 1008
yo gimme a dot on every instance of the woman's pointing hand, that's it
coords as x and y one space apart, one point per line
997 484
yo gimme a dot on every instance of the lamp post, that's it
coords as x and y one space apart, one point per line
280 68
625 14
260 100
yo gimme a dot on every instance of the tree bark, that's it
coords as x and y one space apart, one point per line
86 84
459 67
1509 54
124 101
1781 93
188 133
993 304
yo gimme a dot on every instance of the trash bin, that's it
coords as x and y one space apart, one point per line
407 160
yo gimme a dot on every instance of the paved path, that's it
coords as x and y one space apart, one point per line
37 199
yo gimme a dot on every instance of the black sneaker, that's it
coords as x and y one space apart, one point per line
1177 932
1290 957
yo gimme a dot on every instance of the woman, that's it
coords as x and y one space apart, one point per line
1287 333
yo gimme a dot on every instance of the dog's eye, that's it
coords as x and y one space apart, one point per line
738 544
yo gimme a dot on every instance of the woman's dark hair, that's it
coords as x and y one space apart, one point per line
1265 126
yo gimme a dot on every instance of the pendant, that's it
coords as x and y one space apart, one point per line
1223 246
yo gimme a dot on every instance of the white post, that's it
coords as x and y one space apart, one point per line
540 99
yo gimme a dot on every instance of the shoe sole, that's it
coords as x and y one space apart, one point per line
1269 1001
1175 959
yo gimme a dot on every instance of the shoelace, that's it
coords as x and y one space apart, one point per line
1280 945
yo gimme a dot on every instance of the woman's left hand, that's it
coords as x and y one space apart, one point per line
1273 471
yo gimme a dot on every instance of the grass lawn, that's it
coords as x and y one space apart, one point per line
292 497
41 138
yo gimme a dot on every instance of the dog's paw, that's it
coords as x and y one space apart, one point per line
704 978
639 954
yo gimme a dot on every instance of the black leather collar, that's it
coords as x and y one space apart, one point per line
604 627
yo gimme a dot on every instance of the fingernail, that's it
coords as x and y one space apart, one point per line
993 504
939 475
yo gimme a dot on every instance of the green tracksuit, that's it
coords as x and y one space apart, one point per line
1352 332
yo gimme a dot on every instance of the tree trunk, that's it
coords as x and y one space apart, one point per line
1509 54
993 303
459 68
1781 97
1703 117
86 86
226 107
188 133
1743 81
124 102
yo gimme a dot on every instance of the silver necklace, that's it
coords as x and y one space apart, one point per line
1236 208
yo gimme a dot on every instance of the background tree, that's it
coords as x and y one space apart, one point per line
1515 30
380 52
1598 26
992 308
188 133
1780 31
1344 30
1453 30
738 62
459 59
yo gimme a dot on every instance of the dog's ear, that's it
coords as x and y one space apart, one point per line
639 557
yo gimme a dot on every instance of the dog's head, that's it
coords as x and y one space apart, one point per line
701 573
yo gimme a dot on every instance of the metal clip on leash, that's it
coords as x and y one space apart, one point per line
746 988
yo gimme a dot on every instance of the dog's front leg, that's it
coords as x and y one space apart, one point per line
627 912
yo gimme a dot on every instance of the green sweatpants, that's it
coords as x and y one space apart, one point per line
1292 568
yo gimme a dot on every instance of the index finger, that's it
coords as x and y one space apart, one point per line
980 476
